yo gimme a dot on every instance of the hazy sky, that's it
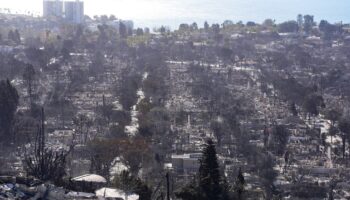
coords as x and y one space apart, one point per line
173 12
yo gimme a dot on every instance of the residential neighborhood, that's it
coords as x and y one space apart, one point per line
97 108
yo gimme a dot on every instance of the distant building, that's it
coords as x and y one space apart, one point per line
186 163
74 11
71 11
53 8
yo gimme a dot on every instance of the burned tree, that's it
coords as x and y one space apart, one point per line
44 163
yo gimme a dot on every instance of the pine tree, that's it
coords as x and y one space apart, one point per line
209 173
206 26
29 78
17 37
9 100
10 35
210 185
239 184
123 31
293 109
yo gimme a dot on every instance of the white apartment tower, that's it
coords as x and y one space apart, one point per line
53 8
74 11
71 11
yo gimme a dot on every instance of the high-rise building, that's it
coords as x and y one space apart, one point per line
71 11
74 11
53 8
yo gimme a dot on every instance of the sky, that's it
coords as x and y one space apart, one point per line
173 12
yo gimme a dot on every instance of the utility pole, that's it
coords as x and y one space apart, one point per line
42 131
167 186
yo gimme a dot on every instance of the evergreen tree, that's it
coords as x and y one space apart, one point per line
123 31
10 35
17 37
333 115
209 173
344 127
206 26
139 32
312 103
300 21
293 109
8 105
209 185
280 136
308 22
239 184
29 78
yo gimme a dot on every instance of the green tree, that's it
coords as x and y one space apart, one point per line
14 36
308 23
162 29
112 17
250 23
123 31
327 29
312 103
194 26
323 25
333 115
215 28
29 78
239 184
184 27
9 100
139 31
10 35
209 174
269 23
206 26
300 20
280 135
127 90
17 37
293 109
209 185
344 127
288 27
